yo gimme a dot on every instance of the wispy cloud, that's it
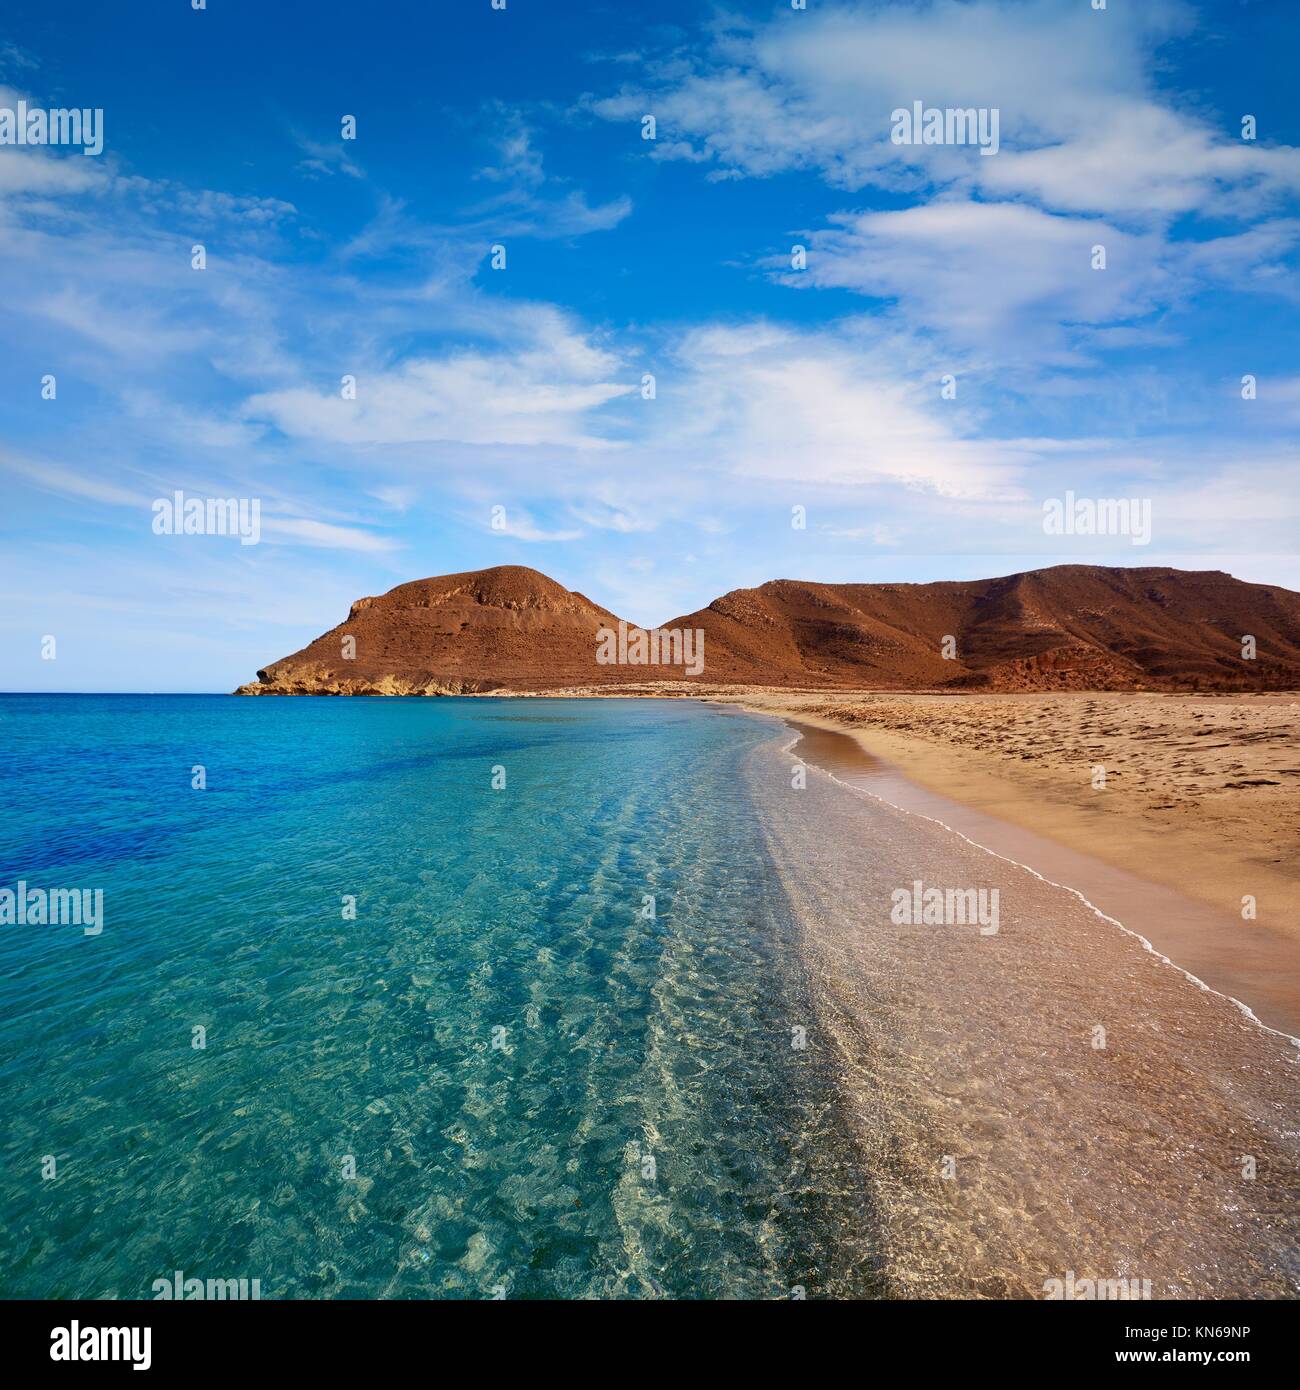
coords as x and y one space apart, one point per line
325 534
69 482
326 157
1082 129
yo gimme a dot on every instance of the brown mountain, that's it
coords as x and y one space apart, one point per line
1071 627
503 628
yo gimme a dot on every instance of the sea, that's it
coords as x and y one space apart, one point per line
548 998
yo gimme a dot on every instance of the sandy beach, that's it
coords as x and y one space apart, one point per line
1197 796
1201 793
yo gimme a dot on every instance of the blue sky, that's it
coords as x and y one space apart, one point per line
521 388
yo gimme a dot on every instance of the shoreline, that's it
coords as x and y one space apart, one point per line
1093 1102
1123 893
1160 819
1180 908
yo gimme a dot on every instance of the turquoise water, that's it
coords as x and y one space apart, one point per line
502 1077
500 1041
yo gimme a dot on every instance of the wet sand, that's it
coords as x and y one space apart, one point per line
1200 792
1047 1099
1199 814
1243 960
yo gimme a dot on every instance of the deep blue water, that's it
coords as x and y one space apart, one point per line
542 1090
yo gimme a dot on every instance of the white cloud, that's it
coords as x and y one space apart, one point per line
877 535
35 171
399 498
993 277
540 394
524 207
1082 129
52 477
326 158
324 534
201 207
520 526
186 426
126 330
1135 157
519 161
618 507
826 407
525 212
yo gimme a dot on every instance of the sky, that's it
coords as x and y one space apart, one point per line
654 398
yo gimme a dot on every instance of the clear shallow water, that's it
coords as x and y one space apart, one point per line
510 916
950 1128
1051 1099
